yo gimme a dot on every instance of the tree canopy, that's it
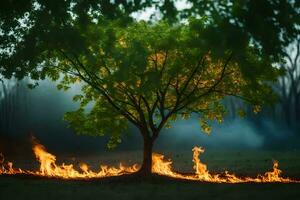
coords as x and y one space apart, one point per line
30 28
149 74
269 26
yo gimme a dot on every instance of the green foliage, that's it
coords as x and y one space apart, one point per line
268 26
148 74
99 121
31 30
241 113
206 128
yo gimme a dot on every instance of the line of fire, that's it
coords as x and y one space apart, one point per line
49 168
150 99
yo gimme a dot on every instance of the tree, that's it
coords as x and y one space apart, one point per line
145 74
149 75
289 85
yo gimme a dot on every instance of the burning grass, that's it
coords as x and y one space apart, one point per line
49 168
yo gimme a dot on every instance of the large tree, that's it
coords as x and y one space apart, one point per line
141 73
149 75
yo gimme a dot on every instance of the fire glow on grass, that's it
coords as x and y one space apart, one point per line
49 168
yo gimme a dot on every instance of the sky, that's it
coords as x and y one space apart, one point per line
146 14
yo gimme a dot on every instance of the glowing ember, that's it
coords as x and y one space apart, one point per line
49 168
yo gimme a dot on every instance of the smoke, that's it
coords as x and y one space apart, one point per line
44 119
237 133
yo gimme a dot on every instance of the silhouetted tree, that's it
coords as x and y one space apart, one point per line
289 85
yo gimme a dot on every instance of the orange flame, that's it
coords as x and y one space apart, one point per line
162 167
49 168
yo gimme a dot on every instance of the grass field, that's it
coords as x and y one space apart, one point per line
241 162
24 188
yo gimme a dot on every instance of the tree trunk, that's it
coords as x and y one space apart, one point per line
297 109
146 167
286 110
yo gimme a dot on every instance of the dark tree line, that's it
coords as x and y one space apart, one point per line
288 86
13 105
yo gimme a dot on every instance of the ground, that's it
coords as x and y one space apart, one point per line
241 162
24 188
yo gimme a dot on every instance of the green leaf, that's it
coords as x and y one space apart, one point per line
205 127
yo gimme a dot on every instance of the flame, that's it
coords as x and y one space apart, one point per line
163 167
49 168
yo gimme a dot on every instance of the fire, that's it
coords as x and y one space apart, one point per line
7 168
49 168
200 168
162 167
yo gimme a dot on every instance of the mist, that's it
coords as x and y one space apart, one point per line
39 112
